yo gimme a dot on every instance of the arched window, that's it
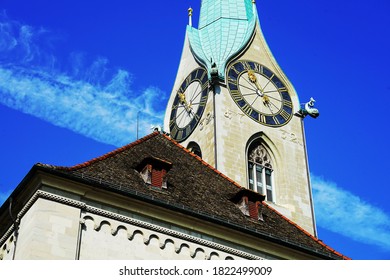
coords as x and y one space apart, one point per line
260 171
194 148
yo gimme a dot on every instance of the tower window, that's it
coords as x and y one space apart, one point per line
194 148
260 171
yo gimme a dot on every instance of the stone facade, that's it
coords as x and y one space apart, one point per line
225 132
57 227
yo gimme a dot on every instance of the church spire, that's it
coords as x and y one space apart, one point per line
233 105
225 28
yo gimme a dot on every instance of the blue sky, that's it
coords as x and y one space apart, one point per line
75 74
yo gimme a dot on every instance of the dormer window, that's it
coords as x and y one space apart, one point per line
250 203
153 171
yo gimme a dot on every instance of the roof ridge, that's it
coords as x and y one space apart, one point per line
203 162
109 154
305 232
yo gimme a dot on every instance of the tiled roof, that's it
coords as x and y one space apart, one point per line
193 186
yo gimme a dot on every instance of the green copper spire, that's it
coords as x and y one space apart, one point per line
225 27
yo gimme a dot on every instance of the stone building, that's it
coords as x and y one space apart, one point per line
151 199
227 178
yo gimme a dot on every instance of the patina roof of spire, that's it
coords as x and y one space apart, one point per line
225 28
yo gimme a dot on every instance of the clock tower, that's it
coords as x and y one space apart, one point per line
233 106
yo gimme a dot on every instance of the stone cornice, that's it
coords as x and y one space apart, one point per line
87 209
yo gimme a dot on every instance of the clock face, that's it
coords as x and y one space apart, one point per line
259 93
189 104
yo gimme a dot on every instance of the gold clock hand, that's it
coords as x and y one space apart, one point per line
183 101
253 79
182 97
267 102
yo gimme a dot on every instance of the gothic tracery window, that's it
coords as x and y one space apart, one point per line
260 170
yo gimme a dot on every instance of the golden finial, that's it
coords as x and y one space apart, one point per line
190 16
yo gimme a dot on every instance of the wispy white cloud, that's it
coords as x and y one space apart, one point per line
344 213
90 99
107 114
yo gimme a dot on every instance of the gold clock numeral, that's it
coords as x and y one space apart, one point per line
246 65
258 68
276 120
235 70
288 103
232 80
188 80
203 101
262 118
203 74
236 95
285 115
247 109
205 86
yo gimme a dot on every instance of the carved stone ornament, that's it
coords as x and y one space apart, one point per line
229 114
205 121
292 137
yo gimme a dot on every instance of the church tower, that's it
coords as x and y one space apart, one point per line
233 106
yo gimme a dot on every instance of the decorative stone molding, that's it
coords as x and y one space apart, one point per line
149 231
133 227
5 249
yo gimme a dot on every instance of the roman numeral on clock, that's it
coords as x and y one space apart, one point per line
276 120
203 101
262 118
235 70
258 68
236 95
287 103
285 115
246 65
247 109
